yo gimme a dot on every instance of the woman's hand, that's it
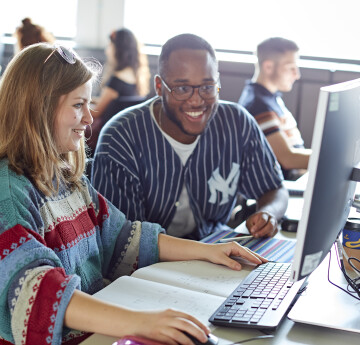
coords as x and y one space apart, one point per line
174 249
221 254
88 313
167 326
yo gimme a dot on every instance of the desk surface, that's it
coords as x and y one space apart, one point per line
288 332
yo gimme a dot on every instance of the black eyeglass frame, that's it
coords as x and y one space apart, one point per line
67 54
171 90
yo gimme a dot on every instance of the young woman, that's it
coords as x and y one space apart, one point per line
127 72
125 80
59 238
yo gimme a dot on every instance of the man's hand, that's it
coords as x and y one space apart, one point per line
262 224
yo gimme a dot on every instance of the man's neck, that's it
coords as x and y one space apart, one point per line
265 83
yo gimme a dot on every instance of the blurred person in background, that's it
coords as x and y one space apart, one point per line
276 72
29 33
126 77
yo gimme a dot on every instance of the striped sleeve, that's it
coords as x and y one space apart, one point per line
32 283
269 122
136 169
120 186
261 171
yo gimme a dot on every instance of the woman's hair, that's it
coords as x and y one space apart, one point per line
30 91
29 33
128 54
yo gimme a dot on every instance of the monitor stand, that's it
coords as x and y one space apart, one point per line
323 304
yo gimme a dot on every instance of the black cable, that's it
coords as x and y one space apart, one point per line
351 258
348 279
266 336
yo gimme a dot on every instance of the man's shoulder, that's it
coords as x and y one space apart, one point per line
231 110
257 99
229 106
128 120
133 113
231 117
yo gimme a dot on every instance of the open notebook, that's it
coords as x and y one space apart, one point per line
195 287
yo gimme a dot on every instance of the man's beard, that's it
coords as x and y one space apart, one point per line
172 117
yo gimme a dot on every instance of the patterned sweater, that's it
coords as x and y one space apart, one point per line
50 246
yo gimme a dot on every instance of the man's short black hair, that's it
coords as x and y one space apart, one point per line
183 41
274 47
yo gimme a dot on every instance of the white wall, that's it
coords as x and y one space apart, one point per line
96 19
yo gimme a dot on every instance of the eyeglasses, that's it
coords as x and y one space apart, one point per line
184 92
66 54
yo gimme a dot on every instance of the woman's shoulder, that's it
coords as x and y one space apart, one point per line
122 87
127 75
17 197
10 181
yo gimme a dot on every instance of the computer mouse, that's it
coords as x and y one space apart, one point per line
212 340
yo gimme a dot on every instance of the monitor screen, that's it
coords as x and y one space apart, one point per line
330 191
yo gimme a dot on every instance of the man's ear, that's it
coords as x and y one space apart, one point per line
158 85
267 67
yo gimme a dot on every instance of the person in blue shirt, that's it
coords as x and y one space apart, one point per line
182 158
276 72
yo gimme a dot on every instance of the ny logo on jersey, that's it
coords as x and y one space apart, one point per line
226 187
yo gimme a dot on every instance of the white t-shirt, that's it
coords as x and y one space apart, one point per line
183 222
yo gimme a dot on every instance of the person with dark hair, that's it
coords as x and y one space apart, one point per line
182 158
29 33
126 78
276 71
60 240
129 69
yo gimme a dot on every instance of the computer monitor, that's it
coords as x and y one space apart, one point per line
330 190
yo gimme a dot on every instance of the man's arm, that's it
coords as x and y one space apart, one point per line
288 157
270 208
116 183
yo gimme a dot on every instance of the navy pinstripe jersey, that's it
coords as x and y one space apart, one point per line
136 168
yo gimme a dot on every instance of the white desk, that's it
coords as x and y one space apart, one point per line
288 332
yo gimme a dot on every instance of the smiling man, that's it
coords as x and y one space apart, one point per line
276 72
182 158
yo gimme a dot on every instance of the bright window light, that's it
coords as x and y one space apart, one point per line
57 17
321 28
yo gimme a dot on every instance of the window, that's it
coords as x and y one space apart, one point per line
57 17
321 28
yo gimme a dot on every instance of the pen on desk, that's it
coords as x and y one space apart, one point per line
230 239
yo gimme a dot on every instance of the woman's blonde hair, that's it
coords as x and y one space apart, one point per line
30 90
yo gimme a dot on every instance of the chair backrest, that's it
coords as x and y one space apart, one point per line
118 104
